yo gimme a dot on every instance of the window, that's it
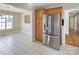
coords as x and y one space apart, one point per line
27 19
6 22
9 22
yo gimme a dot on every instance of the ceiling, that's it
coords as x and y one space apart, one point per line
24 7
30 6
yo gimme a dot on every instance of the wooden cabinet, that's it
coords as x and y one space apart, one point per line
53 10
39 20
38 24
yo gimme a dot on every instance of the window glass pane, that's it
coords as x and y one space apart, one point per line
7 24
10 24
0 18
0 24
3 27
9 27
3 18
9 18
0 28
3 24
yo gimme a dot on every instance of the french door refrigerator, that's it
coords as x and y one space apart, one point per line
51 31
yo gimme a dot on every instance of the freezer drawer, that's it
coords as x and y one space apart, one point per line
54 42
45 39
51 41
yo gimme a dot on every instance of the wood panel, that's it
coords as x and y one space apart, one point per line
53 10
38 24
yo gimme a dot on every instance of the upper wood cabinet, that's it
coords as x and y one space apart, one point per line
39 13
53 10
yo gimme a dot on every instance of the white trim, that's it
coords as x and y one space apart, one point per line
71 10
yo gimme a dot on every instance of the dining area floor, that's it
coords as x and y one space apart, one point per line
22 44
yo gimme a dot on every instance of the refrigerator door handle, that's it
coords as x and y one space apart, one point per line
44 26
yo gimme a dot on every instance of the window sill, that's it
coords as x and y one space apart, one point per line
5 30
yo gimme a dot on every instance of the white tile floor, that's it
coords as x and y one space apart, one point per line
21 44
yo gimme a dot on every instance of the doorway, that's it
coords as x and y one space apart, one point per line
74 28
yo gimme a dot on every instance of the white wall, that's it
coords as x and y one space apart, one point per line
72 21
66 22
26 27
77 22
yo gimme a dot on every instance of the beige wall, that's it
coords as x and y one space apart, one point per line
66 22
72 21
16 22
78 22
33 25
26 27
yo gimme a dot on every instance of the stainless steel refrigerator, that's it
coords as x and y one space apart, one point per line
51 31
